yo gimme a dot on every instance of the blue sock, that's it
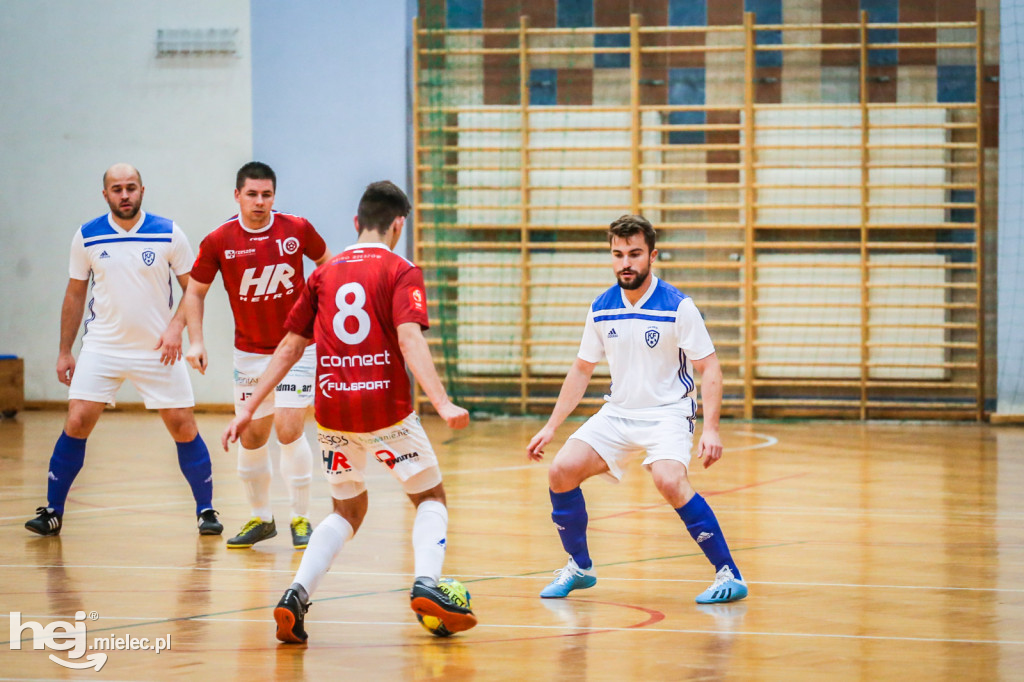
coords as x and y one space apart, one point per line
194 460
569 512
704 528
65 463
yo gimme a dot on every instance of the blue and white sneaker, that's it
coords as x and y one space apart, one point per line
726 588
567 579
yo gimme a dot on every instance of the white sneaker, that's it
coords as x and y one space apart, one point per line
726 588
567 579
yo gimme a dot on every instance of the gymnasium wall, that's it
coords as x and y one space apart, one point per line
318 90
83 88
1011 213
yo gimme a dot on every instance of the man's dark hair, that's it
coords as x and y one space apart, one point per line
629 225
255 170
382 202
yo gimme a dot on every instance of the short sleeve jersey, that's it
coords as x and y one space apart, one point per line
649 347
131 271
352 307
262 272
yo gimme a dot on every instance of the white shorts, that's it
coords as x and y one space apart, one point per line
403 448
617 440
98 376
295 390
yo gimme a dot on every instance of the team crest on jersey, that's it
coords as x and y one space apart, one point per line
148 256
651 336
416 299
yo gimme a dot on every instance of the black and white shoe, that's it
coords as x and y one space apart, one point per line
48 522
208 523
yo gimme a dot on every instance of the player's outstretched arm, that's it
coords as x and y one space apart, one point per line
194 303
169 344
71 312
417 357
288 352
710 447
573 388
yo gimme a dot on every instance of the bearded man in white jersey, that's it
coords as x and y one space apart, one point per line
132 333
653 337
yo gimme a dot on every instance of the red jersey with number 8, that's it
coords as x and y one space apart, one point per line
351 307
262 272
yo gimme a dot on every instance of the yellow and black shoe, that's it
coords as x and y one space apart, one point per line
428 600
301 530
255 530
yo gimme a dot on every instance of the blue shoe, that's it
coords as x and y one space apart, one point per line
567 579
726 588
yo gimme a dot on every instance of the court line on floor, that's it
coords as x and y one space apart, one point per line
490 578
525 576
216 618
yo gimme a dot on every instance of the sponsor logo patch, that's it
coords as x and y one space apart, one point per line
389 459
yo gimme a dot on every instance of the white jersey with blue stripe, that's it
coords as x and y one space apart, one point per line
131 271
649 347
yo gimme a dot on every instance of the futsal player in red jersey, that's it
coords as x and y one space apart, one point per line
259 254
366 310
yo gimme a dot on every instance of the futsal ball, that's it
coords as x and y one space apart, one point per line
459 595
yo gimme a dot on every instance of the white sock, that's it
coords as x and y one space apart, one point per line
254 470
324 544
297 472
429 533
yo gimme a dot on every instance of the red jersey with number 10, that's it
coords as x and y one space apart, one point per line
262 272
351 308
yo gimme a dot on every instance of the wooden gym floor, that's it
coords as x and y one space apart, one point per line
878 551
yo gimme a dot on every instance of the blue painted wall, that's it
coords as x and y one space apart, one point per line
330 104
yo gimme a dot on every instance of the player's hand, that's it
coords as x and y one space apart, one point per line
65 368
196 357
235 429
535 450
456 417
710 449
169 344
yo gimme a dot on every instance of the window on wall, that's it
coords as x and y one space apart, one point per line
464 13
767 12
686 86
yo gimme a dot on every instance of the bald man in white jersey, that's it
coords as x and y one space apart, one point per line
653 337
132 333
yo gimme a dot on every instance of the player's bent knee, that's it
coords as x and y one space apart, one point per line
562 479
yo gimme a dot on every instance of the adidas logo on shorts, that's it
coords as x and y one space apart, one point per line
612 334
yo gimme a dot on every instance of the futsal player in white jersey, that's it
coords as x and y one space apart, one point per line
132 333
653 337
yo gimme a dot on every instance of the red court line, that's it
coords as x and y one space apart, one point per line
653 616
707 494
